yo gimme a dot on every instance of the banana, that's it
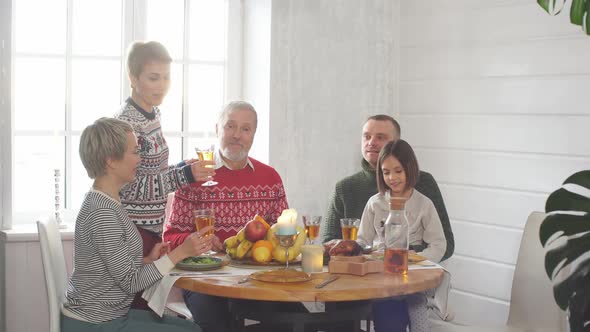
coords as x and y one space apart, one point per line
231 252
231 242
270 235
249 253
243 248
278 252
241 235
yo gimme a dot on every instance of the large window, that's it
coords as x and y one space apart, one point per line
68 69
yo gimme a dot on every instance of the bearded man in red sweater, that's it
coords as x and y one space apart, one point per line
246 187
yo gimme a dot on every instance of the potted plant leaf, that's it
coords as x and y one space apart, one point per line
565 233
577 11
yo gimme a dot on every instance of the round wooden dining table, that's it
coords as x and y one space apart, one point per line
346 288
357 292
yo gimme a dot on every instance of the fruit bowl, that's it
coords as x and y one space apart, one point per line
248 247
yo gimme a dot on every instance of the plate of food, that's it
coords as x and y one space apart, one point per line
281 276
200 263
415 258
412 256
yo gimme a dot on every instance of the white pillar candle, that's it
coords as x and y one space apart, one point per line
286 222
312 259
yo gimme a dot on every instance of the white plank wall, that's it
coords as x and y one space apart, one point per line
493 96
27 309
332 65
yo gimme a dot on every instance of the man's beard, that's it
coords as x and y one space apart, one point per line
234 156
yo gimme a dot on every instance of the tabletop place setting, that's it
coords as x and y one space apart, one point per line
284 262
286 253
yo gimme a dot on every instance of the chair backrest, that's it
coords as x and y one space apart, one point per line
532 304
54 265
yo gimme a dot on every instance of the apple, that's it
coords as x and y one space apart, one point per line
255 230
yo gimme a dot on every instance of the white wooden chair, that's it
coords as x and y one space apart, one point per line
532 306
54 266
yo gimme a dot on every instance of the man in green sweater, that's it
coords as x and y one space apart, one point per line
353 192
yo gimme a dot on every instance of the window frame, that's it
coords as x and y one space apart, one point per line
134 11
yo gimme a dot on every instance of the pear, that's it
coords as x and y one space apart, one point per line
261 254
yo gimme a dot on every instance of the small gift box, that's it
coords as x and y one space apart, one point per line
357 265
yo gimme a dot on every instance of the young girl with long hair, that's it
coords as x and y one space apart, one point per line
397 174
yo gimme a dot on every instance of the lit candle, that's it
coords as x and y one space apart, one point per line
312 259
286 222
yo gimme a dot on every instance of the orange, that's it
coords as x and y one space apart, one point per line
263 243
259 218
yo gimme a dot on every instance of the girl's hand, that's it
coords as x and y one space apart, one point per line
200 172
157 251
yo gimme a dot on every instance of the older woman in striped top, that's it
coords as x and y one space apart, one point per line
109 266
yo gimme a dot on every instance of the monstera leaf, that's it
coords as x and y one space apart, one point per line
565 233
577 11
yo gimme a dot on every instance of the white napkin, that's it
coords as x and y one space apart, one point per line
438 297
157 294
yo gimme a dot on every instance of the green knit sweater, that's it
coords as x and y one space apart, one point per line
353 192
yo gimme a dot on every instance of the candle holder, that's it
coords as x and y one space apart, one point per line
58 220
286 241
312 258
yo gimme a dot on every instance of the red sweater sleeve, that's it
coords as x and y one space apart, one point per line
280 202
180 224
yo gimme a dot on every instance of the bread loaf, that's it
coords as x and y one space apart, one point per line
346 248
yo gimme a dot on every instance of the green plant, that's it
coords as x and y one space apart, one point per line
578 11
565 232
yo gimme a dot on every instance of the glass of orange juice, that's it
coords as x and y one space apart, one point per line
312 227
350 228
204 218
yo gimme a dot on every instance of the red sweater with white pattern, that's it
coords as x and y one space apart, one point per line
237 198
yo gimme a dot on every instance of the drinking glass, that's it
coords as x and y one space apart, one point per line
204 218
350 228
312 258
312 227
207 153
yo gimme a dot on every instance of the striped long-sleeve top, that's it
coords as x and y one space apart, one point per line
145 197
108 262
